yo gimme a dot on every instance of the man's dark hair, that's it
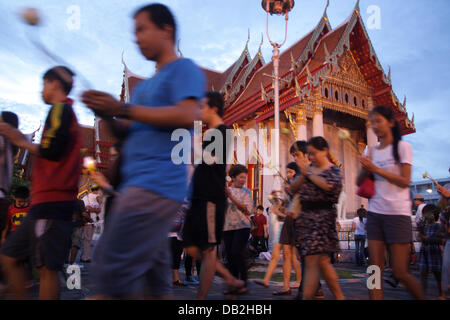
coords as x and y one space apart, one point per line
10 118
215 99
21 192
62 74
260 208
293 166
431 209
160 15
299 146
237 170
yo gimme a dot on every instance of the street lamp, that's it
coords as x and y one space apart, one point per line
277 7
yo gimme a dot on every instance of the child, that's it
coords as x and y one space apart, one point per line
17 211
7 152
430 256
47 228
260 233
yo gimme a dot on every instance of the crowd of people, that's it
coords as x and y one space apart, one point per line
153 212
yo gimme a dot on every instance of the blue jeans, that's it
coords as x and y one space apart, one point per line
360 242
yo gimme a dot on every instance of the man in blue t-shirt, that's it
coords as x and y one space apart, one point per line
133 253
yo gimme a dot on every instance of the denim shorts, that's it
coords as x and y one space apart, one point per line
46 241
389 228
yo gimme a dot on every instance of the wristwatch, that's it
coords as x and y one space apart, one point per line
308 174
124 111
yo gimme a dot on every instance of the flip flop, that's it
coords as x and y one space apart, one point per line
236 290
179 283
282 293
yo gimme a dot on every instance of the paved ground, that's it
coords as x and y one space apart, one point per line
354 287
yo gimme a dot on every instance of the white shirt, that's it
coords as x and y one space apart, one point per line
390 199
419 212
360 227
91 201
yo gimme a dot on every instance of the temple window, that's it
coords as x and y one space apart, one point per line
336 95
363 104
326 93
346 97
355 101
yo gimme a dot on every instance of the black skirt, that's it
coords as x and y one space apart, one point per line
287 235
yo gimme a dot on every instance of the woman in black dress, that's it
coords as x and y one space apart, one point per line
319 187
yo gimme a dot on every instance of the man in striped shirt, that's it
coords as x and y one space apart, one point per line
46 231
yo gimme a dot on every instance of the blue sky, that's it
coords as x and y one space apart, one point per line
413 39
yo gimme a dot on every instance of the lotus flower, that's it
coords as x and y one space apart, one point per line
31 16
426 175
228 179
90 164
344 134
285 131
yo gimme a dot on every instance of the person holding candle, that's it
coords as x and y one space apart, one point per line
389 214
47 229
319 188
132 257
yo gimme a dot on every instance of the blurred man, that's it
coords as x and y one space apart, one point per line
133 252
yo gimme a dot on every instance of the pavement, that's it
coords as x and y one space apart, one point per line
353 286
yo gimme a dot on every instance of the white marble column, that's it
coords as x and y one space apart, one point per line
318 122
372 139
301 125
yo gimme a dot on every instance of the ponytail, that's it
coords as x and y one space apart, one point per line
388 114
397 135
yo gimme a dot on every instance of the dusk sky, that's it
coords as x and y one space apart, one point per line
413 39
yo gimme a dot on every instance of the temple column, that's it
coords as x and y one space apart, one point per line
301 124
318 121
372 139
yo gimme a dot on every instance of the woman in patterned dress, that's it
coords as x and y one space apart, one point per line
319 187
237 224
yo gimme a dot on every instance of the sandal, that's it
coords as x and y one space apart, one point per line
179 283
236 290
282 293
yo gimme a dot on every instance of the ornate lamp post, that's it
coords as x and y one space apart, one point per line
278 7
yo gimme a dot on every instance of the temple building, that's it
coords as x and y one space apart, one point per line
330 79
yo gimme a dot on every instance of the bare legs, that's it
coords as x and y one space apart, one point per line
15 277
290 259
210 265
314 265
400 266
273 263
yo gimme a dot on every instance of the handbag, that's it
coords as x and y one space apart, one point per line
367 187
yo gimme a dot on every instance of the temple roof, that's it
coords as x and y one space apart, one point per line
247 84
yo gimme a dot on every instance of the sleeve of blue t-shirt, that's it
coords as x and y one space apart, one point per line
188 83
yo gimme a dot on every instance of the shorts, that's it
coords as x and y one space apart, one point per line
45 241
389 228
287 235
203 227
77 237
133 255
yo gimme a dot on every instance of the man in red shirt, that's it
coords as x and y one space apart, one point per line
47 229
259 233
